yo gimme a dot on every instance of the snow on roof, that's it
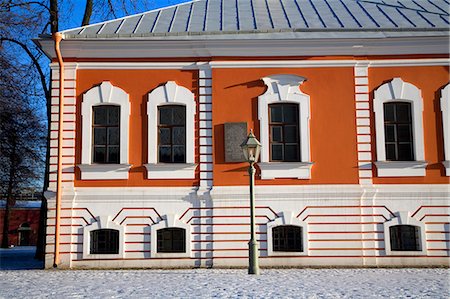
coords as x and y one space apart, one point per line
256 16
23 204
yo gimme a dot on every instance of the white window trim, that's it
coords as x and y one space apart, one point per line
170 94
284 89
104 94
402 218
399 91
286 218
102 222
168 221
445 103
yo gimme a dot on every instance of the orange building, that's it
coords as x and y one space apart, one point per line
349 99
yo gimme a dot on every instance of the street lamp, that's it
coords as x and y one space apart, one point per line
251 148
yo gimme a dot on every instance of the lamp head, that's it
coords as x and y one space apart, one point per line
251 148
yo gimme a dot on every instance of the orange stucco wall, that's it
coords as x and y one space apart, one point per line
332 124
137 83
430 80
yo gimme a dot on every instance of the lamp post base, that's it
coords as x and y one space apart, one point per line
253 265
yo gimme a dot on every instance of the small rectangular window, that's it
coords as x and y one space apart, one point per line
172 134
404 238
398 131
104 241
284 132
106 134
171 239
287 238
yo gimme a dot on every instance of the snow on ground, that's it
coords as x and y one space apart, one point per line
218 283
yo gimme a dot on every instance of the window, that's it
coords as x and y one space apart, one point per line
105 115
171 113
445 103
287 238
171 240
398 109
104 241
106 134
284 138
405 238
398 131
172 134
283 112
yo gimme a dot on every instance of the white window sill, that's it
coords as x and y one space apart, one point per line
408 253
102 256
401 168
447 167
170 171
273 170
104 171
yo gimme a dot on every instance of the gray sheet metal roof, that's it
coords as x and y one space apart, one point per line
218 17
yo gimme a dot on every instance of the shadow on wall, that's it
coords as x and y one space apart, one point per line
19 258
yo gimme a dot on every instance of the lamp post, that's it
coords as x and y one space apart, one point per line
251 148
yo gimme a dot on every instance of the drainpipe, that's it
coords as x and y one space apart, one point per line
57 38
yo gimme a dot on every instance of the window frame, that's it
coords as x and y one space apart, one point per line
416 234
445 108
171 94
104 94
396 125
171 230
170 127
286 227
403 218
102 222
287 218
399 91
106 126
285 89
169 221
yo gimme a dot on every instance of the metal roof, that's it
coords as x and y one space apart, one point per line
220 17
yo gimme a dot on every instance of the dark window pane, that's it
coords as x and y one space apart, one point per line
290 113
165 154
171 240
104 241
178 136
277 134
290 134
405 238
277 152
276 114
389 112
178 154
113 136
291 152
390 152
100 115
179 115
100 136
99 154
404 133
403 112
405 152
113 154
113 115
287 238
165 116
164 136
389 133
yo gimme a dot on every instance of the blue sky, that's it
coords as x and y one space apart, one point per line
78 10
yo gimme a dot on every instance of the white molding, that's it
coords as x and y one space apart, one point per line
284 89
401 168
445 108
402 218
286 218
104 94
399 91
253 45
191 65
272 170
171 94
170 171
102 222
104 171
167 221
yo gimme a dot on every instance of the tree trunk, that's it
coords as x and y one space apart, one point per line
9 195
87 13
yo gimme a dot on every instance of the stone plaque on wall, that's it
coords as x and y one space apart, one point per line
235 135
